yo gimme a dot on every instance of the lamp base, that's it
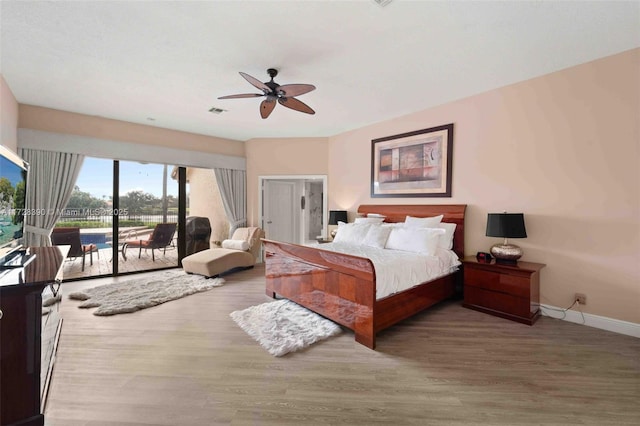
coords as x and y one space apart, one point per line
507 254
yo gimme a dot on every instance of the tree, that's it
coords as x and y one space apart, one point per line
6 193
84 200
138 202
18 203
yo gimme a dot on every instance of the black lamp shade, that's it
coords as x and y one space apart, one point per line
336 216
506 225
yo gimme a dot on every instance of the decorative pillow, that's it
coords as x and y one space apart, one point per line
446 240
416 240
368 220
423 222
235 245
377 236
351 233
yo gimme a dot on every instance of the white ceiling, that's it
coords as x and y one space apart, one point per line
171 60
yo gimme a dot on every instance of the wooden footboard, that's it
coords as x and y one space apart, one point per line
337 286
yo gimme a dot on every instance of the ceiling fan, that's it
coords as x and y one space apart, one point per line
274 92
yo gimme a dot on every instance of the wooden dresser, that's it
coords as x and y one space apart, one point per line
27 337
507 291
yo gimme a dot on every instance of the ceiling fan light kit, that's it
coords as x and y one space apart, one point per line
284 95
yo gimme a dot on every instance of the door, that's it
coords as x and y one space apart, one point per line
313 207
148 199
280 211
293 208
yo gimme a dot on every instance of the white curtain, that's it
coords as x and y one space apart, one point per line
52 177
233 189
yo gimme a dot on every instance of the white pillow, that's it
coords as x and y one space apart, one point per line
446 240
423 222
377 236
235 245
368 220
416 240
393 225
351 233
376 215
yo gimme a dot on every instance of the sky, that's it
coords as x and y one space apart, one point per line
96 178
9 170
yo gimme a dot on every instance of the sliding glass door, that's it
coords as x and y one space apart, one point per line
127 215
148 216
88 221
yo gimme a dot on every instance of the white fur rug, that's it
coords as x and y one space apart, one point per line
133 295
284 326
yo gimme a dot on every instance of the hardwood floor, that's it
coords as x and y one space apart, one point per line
187 363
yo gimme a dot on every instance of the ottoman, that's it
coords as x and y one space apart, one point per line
215 261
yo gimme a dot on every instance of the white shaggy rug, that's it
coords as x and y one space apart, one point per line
141 293
284 326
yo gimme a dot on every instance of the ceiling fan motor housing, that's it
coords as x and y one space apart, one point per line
272 84
272 72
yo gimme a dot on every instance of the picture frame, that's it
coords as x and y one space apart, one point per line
413 164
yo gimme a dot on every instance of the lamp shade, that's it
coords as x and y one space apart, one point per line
506 225
336 216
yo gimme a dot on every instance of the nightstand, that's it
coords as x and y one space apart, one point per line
507 291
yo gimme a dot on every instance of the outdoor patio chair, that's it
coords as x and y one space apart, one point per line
70 236
160 238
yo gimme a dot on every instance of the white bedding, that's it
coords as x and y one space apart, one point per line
400 270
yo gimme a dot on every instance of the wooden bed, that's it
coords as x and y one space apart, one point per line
342 287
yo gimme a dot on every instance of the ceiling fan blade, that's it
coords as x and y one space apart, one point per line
245 95
266 107
289 90
295 104
256 83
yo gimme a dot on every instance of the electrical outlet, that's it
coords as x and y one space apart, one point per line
581 298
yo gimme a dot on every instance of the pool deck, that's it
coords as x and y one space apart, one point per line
102 264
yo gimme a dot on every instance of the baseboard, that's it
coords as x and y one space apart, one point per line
596 321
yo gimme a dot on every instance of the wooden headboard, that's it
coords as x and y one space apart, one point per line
453 213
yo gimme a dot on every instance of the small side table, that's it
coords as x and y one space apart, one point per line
507 291
122 249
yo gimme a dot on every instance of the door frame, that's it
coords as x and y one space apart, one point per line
299 179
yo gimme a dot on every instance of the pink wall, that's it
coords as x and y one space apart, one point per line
291 156
8 117
52 120
562 149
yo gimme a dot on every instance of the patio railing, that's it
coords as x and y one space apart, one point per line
103 221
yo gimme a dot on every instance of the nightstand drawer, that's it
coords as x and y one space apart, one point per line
503 283
500 302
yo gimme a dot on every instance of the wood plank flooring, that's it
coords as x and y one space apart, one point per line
187 363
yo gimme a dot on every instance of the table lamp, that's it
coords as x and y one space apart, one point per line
506 225
336 216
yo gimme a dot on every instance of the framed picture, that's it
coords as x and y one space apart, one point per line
414 164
